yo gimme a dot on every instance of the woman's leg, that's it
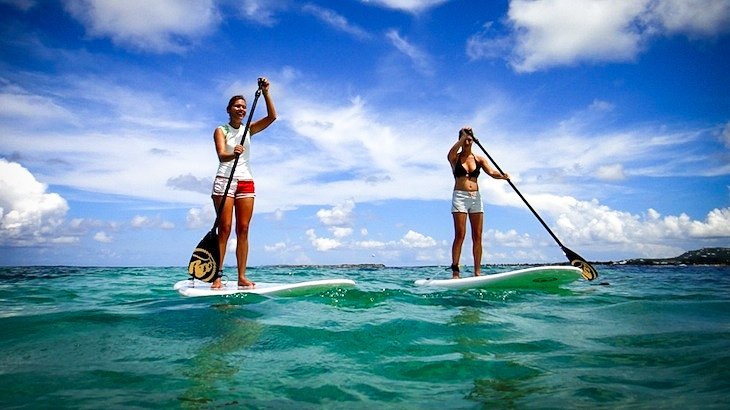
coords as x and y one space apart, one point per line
459 234
224 232
477 221
244 212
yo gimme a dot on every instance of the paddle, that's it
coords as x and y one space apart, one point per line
588 272
205 262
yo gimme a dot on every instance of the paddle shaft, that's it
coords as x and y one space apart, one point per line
520 194
589 272
219 211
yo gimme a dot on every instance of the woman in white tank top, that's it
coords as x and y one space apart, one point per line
228 138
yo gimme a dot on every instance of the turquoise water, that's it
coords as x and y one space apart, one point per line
655 337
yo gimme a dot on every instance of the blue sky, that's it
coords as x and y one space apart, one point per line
612 117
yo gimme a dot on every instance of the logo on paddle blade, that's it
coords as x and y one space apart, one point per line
588 272
202 265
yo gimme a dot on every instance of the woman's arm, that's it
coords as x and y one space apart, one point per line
220 147
260 125
489 170
453 154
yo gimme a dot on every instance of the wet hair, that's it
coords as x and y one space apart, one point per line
233 100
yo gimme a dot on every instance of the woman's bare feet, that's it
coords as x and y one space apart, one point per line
455 271
245 283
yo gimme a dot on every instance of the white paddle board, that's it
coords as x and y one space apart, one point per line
199 288
536 277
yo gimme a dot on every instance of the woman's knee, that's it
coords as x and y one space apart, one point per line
242 229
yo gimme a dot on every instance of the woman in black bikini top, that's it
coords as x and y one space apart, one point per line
466 201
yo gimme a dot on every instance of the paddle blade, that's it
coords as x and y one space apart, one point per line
588 272
204 262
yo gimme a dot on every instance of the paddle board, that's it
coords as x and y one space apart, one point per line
536 277
196 287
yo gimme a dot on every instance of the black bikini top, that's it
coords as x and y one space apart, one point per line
460 171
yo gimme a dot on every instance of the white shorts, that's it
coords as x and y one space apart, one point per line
469 202
243 188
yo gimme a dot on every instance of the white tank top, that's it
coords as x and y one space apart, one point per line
233 138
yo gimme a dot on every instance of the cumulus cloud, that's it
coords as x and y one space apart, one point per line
548 33
414 239
322 244
277 247
591 222
338 215
197 218
103 237
511 239
29 215
161 26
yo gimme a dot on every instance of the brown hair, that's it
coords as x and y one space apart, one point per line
233 99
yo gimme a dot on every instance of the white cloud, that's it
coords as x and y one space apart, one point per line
341 232
370 244
277 247
613 172
558 32
411 6
716 225
726 135
103 237
19 104
487 44
322 244
510 239
587 222
548 33
337 215
420 59
693 17
197 218
28 214
335 20
139 221
414 239
261 11
161 26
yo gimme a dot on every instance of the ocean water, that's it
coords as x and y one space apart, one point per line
648 337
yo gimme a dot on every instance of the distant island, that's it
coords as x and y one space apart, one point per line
704 256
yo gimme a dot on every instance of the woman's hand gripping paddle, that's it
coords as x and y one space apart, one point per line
588 272
205 262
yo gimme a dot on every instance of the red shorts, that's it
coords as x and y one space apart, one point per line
239 188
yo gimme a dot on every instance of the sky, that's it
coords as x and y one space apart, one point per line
611 116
